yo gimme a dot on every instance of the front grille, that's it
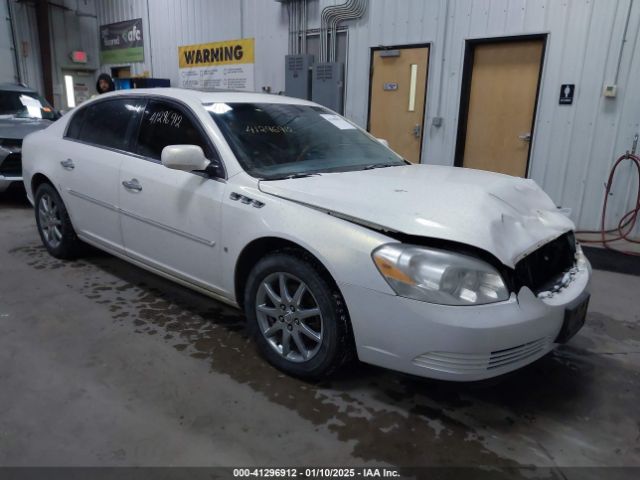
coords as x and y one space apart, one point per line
544 267
470 363
11 143
501 358
11 166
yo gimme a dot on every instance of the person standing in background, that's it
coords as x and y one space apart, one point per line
104 84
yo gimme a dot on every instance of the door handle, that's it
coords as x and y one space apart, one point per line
417 130
525 137
67 164
133 185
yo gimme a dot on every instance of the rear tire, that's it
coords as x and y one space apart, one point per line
305 329
54 225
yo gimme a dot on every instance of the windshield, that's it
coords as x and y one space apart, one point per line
273 140
25 105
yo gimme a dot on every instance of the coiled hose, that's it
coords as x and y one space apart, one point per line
627 222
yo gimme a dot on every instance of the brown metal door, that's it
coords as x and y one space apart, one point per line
502 101
398 92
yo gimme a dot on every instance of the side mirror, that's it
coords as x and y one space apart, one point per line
383 141
184 157
215 169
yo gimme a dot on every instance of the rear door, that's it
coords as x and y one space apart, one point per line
96 143
171 219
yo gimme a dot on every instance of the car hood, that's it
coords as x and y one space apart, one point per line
506 216
18 128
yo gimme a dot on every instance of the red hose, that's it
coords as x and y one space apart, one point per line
628 220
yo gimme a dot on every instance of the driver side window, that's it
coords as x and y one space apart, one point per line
165 124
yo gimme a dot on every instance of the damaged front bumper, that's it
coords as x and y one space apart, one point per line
462 343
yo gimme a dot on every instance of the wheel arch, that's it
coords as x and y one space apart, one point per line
258 249
37 180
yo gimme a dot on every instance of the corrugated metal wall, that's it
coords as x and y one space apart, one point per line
73 26
7 59
573 146
113 11
27 43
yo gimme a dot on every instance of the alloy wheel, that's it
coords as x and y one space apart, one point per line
289 317
50 220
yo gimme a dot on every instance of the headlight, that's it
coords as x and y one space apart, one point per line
439 276
581 259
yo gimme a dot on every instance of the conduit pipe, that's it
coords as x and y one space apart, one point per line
297 12
325 18
349 12
304 24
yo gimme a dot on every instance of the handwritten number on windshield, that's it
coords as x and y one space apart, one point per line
166 117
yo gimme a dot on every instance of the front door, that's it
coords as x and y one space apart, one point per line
171 219
398 93
501 95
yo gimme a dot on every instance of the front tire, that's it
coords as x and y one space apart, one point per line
297 316
54 225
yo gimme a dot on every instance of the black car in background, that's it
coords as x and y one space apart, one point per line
22 111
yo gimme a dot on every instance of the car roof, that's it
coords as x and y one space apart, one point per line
15 87
211 96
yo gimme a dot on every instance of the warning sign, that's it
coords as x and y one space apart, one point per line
220 65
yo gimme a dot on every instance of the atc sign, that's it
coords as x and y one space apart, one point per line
122 42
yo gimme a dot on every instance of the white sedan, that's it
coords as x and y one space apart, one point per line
331 244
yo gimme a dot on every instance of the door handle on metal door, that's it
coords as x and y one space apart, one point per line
525 137
132 184
416 130
67 164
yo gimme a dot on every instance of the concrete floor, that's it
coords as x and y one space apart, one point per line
104 364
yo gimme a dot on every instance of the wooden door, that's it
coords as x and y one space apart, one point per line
397 103
501 105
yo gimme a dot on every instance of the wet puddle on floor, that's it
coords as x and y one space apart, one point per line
389 417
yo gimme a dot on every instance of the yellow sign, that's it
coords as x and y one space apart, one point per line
231 52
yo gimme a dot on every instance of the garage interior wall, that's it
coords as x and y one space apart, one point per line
7 57
27 43
573 147
73 25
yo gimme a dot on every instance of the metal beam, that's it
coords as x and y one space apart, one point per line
44 38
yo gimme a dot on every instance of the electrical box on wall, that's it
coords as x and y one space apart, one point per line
328 85
297 79
610 91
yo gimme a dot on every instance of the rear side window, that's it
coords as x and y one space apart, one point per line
75 125
107 123
166 124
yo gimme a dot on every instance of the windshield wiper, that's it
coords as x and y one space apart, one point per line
293 175
382 165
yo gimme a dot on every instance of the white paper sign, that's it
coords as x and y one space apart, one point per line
337 121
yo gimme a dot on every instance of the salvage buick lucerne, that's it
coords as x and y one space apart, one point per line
331 244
